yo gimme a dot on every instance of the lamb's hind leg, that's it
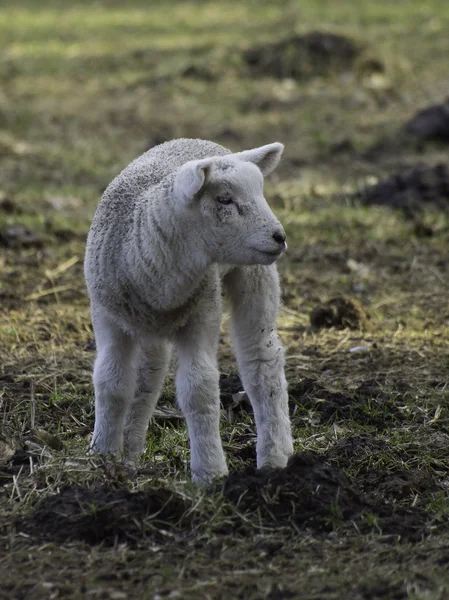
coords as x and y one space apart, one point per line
114 382
153 363
255 298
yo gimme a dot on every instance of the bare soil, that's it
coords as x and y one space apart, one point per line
105 515
308 55
413 190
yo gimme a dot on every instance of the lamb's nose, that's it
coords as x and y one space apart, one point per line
279 236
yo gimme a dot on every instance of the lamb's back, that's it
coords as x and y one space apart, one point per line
156 164
164 159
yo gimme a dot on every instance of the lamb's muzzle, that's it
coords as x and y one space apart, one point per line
280 237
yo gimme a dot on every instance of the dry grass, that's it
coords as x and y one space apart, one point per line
87 88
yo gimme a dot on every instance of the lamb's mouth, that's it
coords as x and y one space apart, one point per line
273 253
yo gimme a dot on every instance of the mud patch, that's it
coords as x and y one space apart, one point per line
311 494
367 405
341 312
431 122
199 71
413 190
9 206
105 515
316 53
19 236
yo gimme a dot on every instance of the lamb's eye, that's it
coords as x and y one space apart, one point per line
224 199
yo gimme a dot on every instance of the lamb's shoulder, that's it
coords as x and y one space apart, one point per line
116 274
145 174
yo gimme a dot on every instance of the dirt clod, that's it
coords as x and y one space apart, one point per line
431 122
8 206
300 56
197 71
105 515
17 236
341 312
413 190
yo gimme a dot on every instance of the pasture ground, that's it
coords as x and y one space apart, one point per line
363 509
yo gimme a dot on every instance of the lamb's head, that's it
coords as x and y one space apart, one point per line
224 195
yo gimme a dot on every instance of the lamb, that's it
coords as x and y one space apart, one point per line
181 223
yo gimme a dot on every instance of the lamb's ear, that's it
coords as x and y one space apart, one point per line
266 157
191 177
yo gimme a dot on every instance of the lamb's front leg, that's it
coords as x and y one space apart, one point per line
255 298
198 393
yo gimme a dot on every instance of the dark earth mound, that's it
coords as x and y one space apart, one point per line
413 190
367 405
300 56
341 312
19 236
310 493
9 206
431 122
307 492
199 71
105 515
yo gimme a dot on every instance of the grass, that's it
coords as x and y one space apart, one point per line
84 89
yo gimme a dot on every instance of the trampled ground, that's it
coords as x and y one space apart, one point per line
362 511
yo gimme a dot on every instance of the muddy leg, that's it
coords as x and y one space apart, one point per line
254 294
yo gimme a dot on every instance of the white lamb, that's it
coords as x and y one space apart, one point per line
180 223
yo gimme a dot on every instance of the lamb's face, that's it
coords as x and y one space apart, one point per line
225 196
237 224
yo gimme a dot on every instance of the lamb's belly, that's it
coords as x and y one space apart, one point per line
138 317
225 269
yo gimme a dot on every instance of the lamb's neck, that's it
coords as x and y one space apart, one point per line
171 254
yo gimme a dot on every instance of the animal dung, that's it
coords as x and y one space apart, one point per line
341 312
